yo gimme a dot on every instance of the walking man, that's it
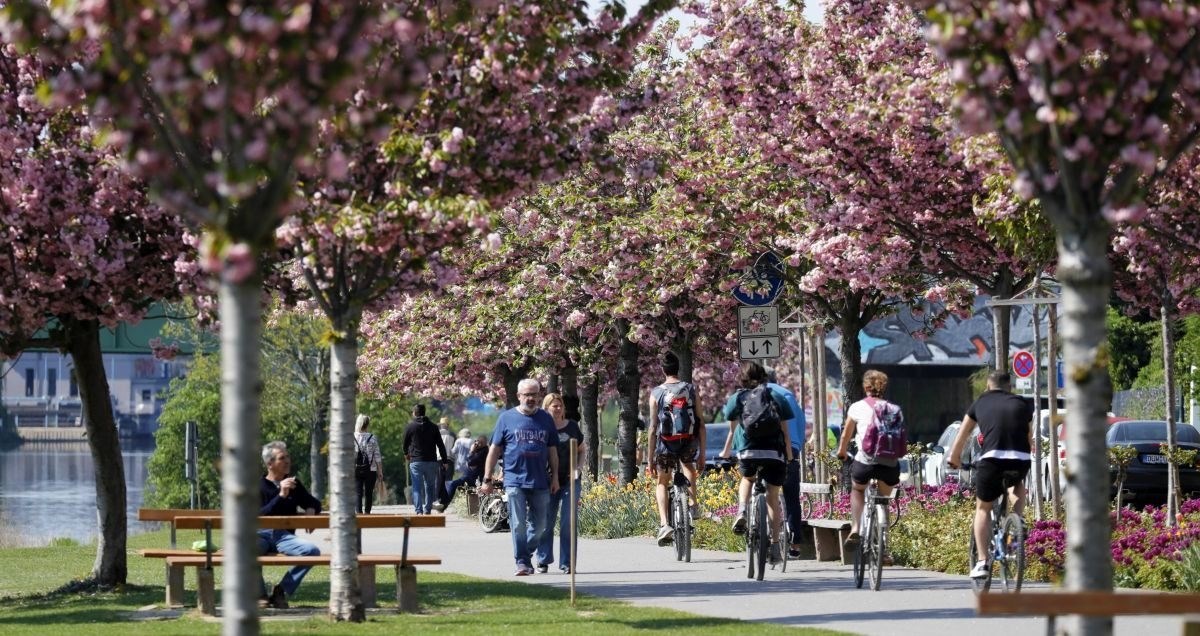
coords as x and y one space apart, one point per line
528 440
422 446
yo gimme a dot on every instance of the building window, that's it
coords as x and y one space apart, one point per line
146 395
51 382
73 385
29 382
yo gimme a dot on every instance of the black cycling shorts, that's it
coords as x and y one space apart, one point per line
772 471
864 473
990 475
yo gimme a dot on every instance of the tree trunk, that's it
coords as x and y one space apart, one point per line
1084 271
589 398
345 599
852 368
241 460
570 392
1001 320
687 359
1039 491
1168 341
552 384
628 387
83 343
1056 494
511 378
318 434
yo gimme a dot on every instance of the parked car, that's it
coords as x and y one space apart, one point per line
714 443
1146 477
1062 450
937 467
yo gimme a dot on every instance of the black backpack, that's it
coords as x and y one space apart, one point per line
676 412
362 461
760 415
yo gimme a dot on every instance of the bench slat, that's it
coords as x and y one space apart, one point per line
836 524
169 514
297 522
817 489
363 559
163 553
1086 603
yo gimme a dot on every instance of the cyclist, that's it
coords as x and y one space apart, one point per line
886 472
679 439
1004 421
760 454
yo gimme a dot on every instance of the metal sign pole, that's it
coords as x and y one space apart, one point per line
574 510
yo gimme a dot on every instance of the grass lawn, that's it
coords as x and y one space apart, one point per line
450 603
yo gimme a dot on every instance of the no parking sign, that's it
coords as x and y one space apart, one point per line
1022 364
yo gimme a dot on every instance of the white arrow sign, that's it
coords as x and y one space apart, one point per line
758 348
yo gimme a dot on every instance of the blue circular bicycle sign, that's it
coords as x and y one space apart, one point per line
761 283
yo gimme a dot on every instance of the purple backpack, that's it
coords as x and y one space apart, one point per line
885 437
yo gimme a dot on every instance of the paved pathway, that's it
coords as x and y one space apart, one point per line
714 584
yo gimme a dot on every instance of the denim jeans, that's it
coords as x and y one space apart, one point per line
285 542
527 519
559 511
469 477
425 476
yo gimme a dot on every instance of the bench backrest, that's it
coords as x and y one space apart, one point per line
317 521
1086 603
816 489
169 514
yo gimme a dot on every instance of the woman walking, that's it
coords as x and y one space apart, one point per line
366 476
567 497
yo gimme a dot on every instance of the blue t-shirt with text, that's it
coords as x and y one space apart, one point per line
526 441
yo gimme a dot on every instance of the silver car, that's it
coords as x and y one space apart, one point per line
937 468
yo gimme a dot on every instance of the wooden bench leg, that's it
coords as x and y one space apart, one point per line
1191 625
366 585
842 535
174 585
823 542
406 588
206 597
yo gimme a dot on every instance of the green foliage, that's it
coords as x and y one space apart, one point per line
197 397
1187 569
1130 346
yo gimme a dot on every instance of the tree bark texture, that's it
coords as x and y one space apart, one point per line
850 351
1056 493
241 459
687 359
570 392
1085 274
1001 323
628 387
345 598
83 343
1039 490
590 407
318 435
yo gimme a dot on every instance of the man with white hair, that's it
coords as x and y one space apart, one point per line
525 436
283 494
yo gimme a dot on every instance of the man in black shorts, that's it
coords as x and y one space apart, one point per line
1004 422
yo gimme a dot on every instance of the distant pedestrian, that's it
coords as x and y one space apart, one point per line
797 429
366 448
461 450
567 497
528 440
448 442
422 447
473 472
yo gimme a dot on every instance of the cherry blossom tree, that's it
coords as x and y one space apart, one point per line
216 104
1092 103
82 249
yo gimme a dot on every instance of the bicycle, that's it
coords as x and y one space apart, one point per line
493 509
1008 543
872 529
681 516
758 532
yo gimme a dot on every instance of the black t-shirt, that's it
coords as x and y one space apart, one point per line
565 434
1003 420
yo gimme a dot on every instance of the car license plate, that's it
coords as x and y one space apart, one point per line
1154 459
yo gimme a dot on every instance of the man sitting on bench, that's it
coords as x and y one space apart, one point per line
283 494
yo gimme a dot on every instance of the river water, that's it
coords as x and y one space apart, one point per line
48 490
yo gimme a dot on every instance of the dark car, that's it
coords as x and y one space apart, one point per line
1146 477
714 443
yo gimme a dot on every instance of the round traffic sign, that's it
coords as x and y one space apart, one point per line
1022 364
761 283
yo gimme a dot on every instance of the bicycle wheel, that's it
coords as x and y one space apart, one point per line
785 544
980 585
860 560
684 539
1012 555
491 513
678 522
751 541
762 533
877 539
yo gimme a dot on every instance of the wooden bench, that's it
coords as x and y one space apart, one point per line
168 516
1088 603
178 560
828 534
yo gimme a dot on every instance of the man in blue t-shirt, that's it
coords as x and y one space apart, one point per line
524 435
791 485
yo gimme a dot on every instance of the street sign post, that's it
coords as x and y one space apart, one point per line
758 332
1023 364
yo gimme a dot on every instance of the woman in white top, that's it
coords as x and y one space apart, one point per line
365 480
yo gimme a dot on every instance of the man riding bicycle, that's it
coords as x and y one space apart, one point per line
759 432
679 439
1004 421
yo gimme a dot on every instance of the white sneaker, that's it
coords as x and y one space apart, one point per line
981 570
666 534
